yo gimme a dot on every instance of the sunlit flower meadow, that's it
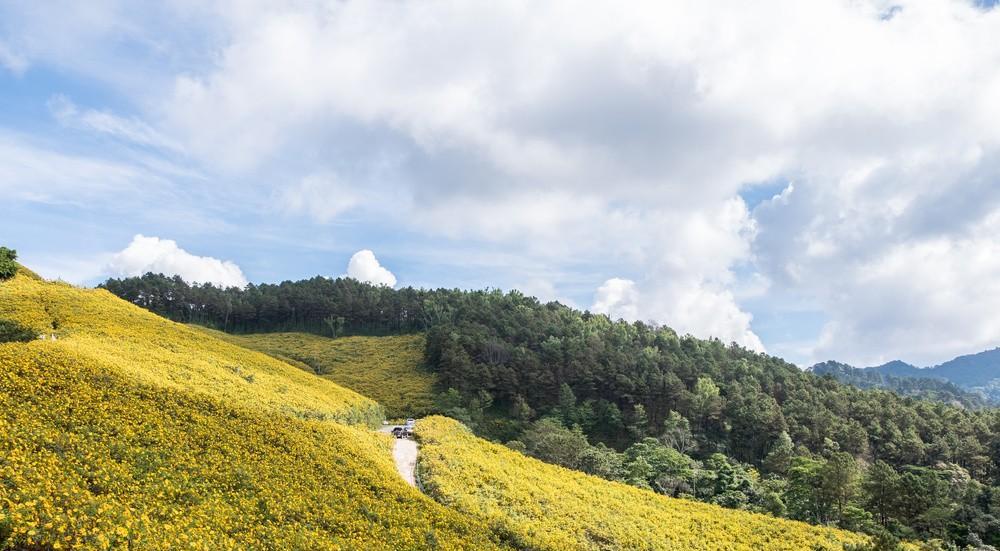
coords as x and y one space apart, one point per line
547 507
131 432
387 369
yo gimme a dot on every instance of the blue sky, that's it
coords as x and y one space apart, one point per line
813 179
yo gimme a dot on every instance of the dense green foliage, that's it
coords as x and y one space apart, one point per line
757 432
925 388
684 416
8 263
331 307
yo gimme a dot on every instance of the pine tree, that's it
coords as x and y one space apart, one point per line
780 457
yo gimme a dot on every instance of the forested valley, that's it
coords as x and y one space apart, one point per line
641 404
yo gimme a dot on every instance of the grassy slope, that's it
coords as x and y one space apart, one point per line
134 432
548 507
387 369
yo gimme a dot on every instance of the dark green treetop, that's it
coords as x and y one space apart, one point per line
8 264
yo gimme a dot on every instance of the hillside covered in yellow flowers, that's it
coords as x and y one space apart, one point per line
547 507
132 432
95 325
387 369
122 430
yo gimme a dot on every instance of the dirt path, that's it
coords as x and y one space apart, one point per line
404 452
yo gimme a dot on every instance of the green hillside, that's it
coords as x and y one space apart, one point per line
389 370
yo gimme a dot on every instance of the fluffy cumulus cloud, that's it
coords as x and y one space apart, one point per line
698 309
897 253
583 151
152 254
363 266
926 299
706 310
618 298
626 134
613 142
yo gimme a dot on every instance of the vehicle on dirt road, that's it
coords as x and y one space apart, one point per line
405 431
400 432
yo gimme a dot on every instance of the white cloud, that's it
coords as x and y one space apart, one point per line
896 258
696 309
704 310
129 129
544 290
41 173
363 266
323 197
607 137
152 254
618 298
925 301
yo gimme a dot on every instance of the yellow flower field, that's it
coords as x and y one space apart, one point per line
131 432
386 369
94 324
547 507
91 460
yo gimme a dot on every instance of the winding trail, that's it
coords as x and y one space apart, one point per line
404 452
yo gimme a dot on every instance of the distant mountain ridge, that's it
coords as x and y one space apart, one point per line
972 369
977 374
883 377
897 368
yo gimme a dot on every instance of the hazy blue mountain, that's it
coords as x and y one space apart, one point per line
899 368
973 373
885 377
979 369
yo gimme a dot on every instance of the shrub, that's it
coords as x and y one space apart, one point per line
5 530
11 331
8 264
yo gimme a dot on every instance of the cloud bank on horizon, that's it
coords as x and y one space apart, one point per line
820 179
